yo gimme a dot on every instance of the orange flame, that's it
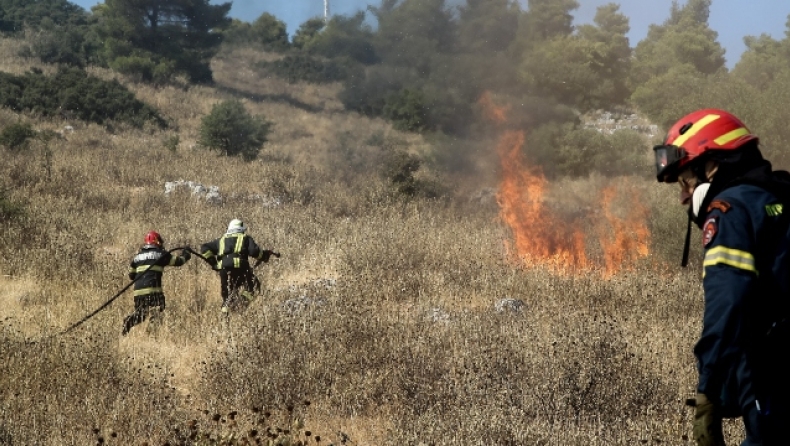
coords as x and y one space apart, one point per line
623 239
540 235
493 112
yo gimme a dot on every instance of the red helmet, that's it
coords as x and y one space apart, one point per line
153 238
695 134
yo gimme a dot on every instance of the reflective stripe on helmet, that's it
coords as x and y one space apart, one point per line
731 136
699 125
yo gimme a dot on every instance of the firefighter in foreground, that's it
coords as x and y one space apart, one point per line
738 202
146 270
230 254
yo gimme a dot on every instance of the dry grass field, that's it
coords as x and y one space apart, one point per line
378 326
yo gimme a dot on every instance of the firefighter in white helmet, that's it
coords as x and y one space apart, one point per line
230 255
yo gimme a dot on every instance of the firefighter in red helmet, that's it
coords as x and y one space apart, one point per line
737 199
146 270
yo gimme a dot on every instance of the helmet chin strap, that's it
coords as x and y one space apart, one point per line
687 245
695 205
698 198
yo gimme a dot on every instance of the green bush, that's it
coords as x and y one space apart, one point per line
15 137
59 46
399 169
582 151
171 143
9 210
72 93
304 68
18 15
232 131
143 68
407 111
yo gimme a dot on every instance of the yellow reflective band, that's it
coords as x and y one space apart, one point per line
221 246
736 258
236 262
208 254
699 125
173 260
239 243
145 291
731 136
144 268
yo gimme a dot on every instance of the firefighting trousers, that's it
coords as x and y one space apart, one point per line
143 305
238 286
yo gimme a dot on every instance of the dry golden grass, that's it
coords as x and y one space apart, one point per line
397 341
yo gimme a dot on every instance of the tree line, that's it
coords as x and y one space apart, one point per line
425 64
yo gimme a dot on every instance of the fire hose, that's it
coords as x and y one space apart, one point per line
138 276
118 294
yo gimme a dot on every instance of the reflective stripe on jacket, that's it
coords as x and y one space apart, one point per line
745 278
231 251
151 262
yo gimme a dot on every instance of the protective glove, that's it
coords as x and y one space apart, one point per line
266 254
186 255
707 423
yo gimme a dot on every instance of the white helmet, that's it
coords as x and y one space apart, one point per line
236 226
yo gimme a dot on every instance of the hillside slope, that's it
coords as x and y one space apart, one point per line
388 319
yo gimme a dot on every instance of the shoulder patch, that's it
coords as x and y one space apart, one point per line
709 230
721 205
774 210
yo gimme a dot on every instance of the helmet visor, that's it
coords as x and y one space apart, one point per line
667 162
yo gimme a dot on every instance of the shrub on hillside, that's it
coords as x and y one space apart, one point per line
232 131
567 150
9 209
304 68
399 169
582 151
407 111
18 15
74 45
58 47
72 93
15 137
143 68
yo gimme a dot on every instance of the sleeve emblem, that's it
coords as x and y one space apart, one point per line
709 230
721 205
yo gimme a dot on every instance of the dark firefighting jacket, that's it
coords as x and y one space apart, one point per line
745 279
151 262
231 251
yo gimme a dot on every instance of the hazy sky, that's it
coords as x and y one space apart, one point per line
732 19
